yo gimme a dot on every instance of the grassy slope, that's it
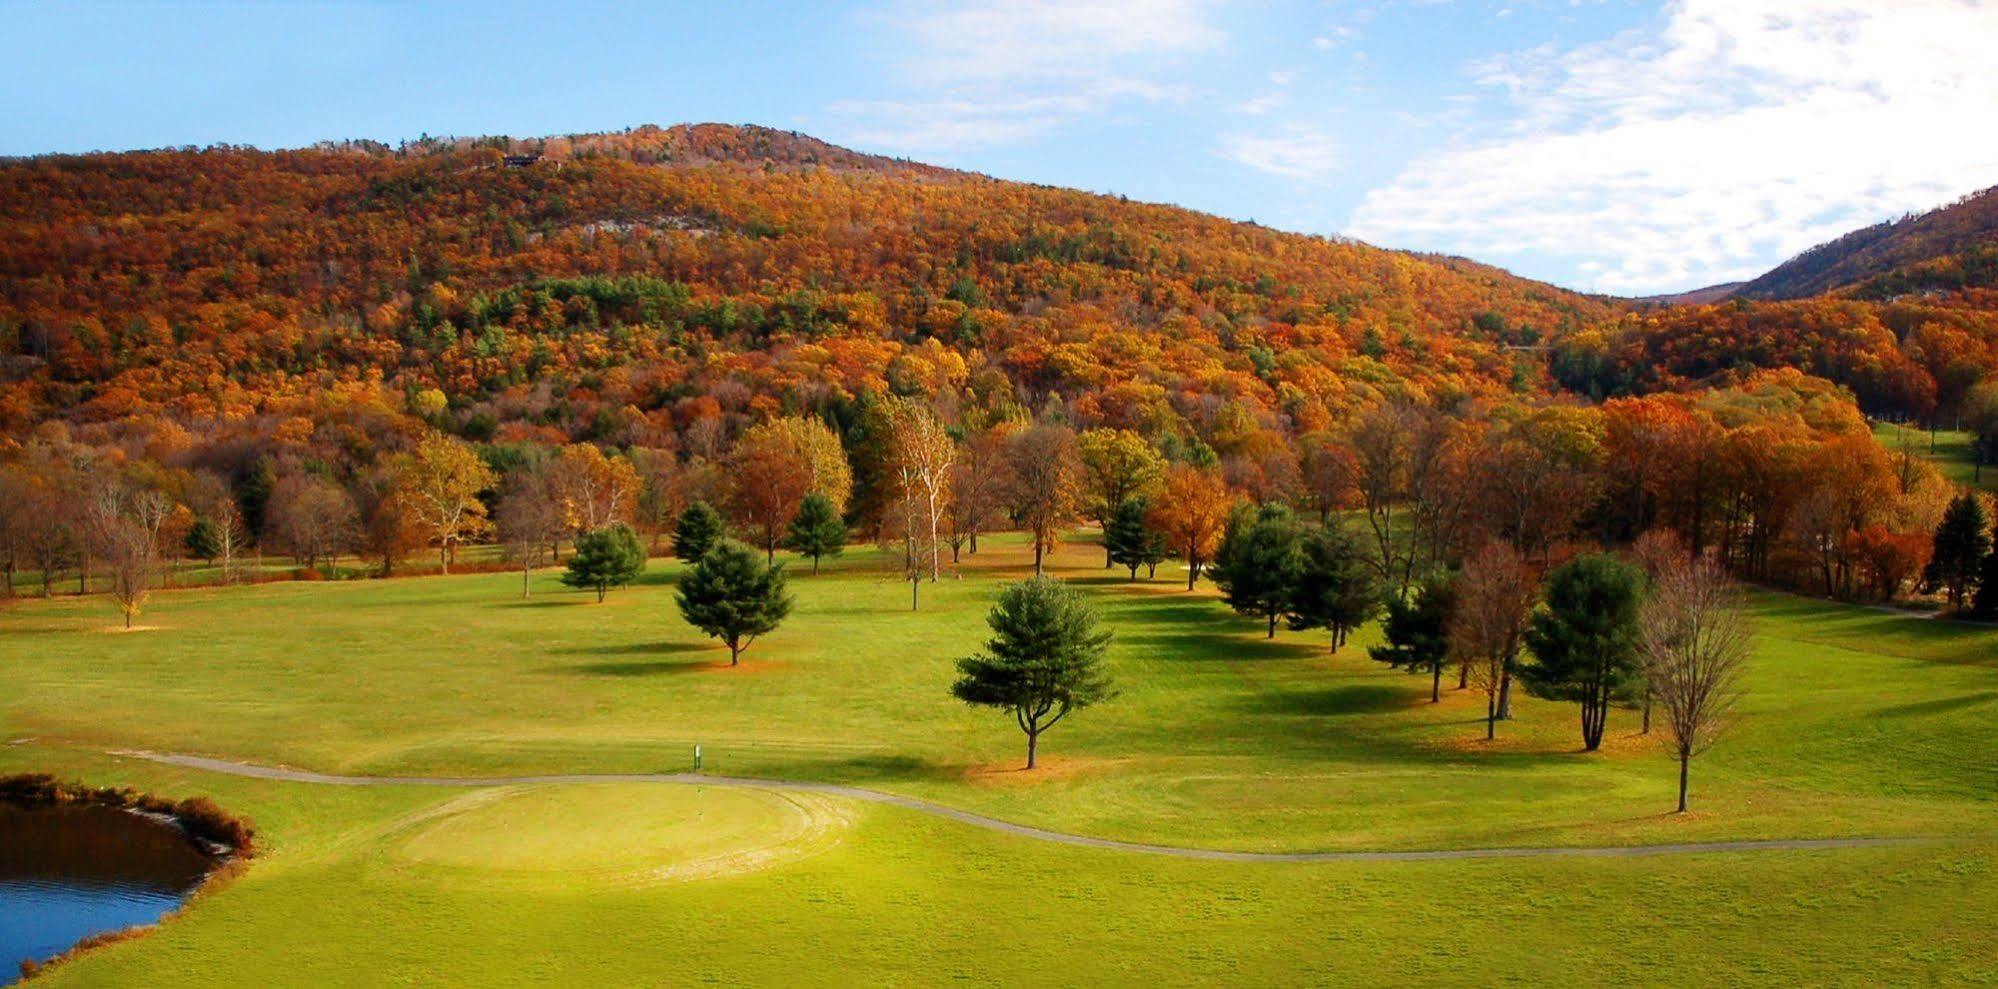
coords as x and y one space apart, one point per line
1860 722
1857 721
1949 448
907 899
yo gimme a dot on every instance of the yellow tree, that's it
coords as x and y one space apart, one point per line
592 489
1192 512
922 453
778 463
1118 465
441 481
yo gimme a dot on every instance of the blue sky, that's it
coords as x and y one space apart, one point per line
1611 146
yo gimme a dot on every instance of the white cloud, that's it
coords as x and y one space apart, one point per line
1734 134
1298 152
994 72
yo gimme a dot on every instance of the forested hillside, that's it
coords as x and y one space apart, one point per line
623 287
359 349
1945 249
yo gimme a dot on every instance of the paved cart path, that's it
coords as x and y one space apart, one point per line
1007 827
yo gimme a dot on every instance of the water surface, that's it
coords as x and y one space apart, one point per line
69 872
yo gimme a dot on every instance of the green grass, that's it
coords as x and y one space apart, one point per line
1948 448
902 898
1857 722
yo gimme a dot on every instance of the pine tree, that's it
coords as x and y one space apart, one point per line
1961 544
1043 661
1131 542
609 557
733 595
817 530
1584 641
698 529
203 540
1985 601
1257 564
1335 588
1417 631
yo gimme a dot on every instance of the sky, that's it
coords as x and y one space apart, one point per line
1628 148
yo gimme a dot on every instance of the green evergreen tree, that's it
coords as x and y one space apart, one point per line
609 557
1961 543
1132 543
817 530
1584 640
697 530
253 494
203 540
1257 564
733 595
1416 631
1335 588
1045 659
1985 601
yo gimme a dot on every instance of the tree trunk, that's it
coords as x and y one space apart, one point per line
1491 717
1463 676
444 557
734 652
915 585
1647 710
1684 758
1108 562
815 564
1272 632
974 542
602 589
1436 682
525 570
1593 716
1192 572
1505 694
1037 556
1033 740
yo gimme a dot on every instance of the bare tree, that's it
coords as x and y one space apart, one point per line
1381 440
1693 642
922 454
659 491
15 490
1047 482
129 556
1488 626
979 483
530 519
312 518
216 503
50 533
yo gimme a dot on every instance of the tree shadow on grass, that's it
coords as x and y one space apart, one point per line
636 649
1215 647
641 668
1941 705
1340 701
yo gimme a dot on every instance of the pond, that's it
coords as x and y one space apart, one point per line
68 872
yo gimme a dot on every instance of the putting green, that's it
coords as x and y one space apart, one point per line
620 833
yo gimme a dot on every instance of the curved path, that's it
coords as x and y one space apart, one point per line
1006 827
